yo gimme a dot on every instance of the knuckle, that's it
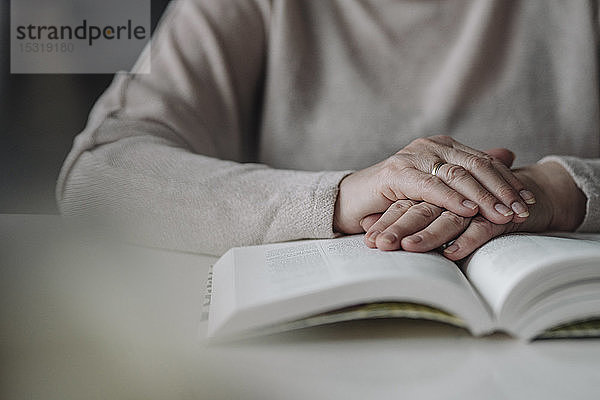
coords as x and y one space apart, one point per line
449 197
467 241
400 205
454 219
392 161
430 237
445 139
393 229
481 163
431 182
423 141
456 173
484 226
506 192
378 226
485 197
424 210
410 203
395 163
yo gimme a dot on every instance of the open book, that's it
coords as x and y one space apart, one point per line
529 286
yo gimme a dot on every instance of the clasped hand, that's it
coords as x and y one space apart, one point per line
472 197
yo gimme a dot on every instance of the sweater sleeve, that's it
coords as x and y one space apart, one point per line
167 152
586 174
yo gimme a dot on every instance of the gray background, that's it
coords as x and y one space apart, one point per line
39 117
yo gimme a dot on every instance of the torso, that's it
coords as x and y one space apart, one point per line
350 82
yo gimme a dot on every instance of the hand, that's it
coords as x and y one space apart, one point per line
469 182
421 227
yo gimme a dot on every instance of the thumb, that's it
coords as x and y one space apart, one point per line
503 155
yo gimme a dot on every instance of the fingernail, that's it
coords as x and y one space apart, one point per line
371 236
520 209
527 196
469 204
414 239
502 209
451 249
388 238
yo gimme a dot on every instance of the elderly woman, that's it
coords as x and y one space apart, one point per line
273 120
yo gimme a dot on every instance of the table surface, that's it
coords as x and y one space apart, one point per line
84 318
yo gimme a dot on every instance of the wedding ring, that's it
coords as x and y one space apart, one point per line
436 167
446 245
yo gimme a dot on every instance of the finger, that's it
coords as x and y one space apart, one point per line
368 221
461 180
391 215
502 159
484 170
479 232
526 195
415 219
446 227
505 156
426 187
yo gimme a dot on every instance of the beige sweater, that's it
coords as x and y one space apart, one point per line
256 109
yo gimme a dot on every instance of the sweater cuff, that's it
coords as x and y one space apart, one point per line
325 197
587 177
306 209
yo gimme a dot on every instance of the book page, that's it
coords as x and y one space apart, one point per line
350 259
269 273
502 264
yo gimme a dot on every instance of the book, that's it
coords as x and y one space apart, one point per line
529 286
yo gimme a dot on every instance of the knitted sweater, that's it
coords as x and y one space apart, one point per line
254 110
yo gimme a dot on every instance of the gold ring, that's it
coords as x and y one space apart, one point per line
436 167
446 245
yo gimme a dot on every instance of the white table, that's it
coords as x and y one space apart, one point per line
87 321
